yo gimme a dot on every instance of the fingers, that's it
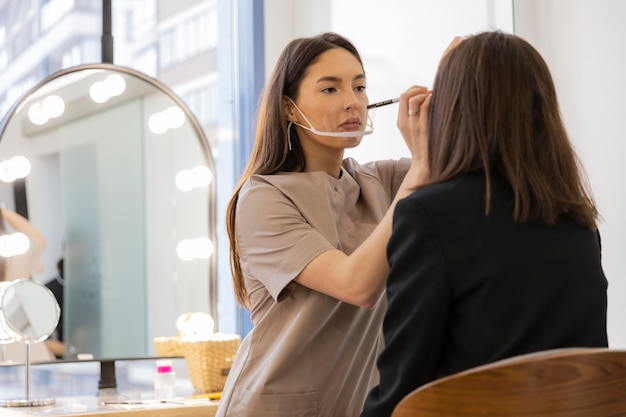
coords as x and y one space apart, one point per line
413 120
425 106
416 102
408 100
420 152
410 103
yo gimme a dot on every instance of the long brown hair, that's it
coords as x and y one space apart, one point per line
494 110
271 152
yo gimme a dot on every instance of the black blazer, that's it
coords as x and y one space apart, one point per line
465 289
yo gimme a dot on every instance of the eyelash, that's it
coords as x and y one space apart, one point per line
360 89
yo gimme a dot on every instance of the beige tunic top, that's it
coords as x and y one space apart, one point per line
308 354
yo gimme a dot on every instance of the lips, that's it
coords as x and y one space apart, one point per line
352 124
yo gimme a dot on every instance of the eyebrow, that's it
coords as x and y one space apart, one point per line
337 79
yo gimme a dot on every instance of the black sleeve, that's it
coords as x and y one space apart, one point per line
418 292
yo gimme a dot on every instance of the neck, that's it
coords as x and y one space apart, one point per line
331 164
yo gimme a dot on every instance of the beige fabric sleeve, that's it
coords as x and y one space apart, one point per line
275 250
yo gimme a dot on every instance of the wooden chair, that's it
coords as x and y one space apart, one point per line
557 383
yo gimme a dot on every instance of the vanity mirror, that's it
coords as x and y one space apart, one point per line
121 185
29 313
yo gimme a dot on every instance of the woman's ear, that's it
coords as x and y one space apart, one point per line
289 109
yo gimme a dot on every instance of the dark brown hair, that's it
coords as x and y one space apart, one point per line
271 153
494 110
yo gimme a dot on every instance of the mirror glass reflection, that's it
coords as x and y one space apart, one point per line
29 313
120 183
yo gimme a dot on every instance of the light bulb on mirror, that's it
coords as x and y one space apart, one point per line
14 168
198 248
115 84
196 325
175 117
102 91
171 118
37 115
53 106
98 93
20 165
157 124
13 244
198 177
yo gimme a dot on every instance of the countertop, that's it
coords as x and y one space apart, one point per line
77 389
96 406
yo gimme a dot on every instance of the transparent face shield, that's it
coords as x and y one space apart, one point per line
337 124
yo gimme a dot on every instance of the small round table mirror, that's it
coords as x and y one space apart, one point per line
29 313
5 339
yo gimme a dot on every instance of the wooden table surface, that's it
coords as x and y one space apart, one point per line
96 406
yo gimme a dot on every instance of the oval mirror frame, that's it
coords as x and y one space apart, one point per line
74 75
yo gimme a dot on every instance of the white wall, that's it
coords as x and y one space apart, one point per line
583 43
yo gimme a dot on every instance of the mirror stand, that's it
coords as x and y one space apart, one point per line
27 402
107 385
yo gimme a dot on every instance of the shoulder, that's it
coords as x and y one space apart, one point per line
256 183
284 194
386 175
259 192
457 201
459 188
377 168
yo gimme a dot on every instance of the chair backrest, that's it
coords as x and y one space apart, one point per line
557 383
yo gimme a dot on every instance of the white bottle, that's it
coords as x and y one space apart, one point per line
164 381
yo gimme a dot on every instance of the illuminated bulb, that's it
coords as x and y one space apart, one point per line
98 92
198 177
13 244
184 180
195 325
171 118
157 124
203 247
174 116
20 166
190 249
37 115
112 86
19 243
53 106
203 176
115 85
14 168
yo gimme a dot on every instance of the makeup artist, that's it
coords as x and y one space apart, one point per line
308 231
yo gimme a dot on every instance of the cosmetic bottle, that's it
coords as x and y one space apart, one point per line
164 381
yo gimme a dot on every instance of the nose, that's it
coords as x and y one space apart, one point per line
352 101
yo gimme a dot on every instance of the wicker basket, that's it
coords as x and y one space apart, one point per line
209 361
168 346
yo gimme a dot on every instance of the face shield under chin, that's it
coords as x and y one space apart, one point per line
327 129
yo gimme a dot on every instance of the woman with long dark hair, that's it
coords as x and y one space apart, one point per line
308 230
497 254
